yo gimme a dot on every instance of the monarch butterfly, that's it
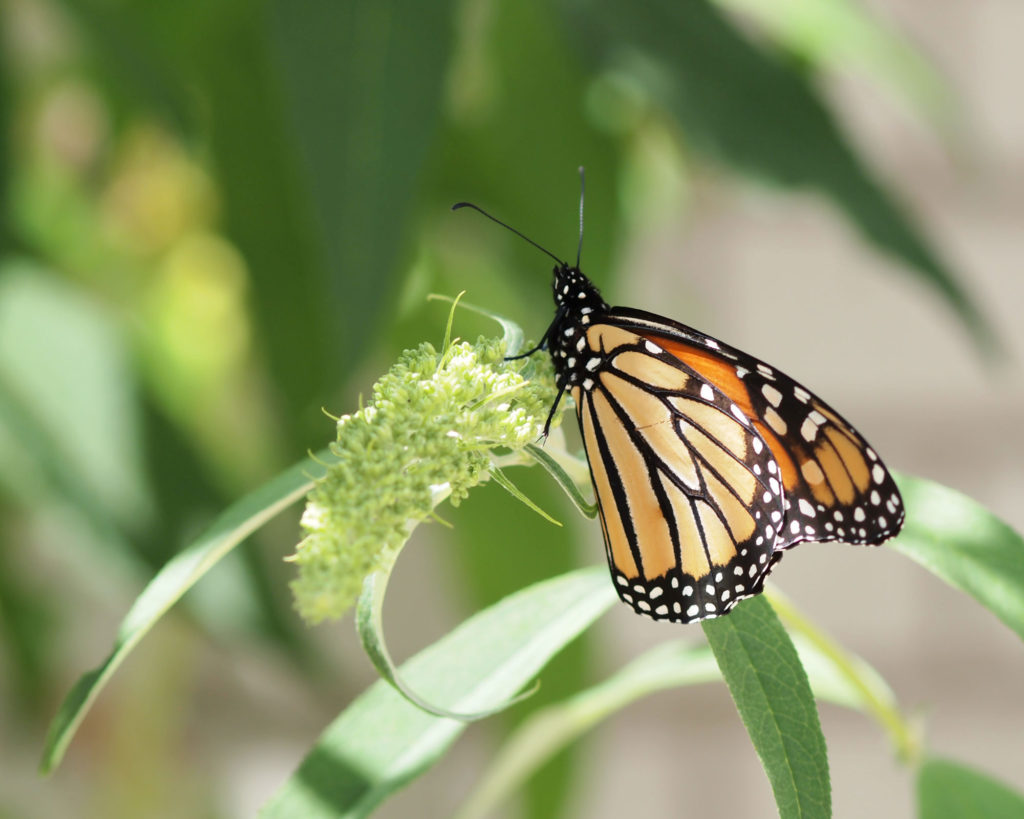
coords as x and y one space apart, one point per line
707 463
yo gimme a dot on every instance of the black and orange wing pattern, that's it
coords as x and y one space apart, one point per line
836 487
689 496
707 463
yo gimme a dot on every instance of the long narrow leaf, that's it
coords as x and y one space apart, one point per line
551 729
669 665
772 694
381 741
370 626
964 544
740 104
236 523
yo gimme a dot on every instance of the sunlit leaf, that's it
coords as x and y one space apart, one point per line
381 741
236 522
669 665
964 544
772 694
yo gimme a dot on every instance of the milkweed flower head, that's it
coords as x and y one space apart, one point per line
429 434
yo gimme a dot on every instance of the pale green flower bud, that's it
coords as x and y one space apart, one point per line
427 435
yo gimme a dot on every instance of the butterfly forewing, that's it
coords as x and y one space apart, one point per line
836 487
690 498
707 463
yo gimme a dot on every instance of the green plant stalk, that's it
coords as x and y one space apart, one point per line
544 734
902 732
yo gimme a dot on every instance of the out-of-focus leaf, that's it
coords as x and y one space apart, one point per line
949 790
318 118
845 679
752 111
62 362
133 70
772 694
361 84
381 742
961 542
512 144
236 523
523 549
5 151
551 729
26 630
323 113
845 36
669 665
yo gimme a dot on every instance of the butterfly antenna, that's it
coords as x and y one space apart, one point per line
579 247
478 209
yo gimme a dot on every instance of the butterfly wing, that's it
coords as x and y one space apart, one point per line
835 485
689 492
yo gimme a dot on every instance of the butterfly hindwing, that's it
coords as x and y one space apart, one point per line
836 487
690 496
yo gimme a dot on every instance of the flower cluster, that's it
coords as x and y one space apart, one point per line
428 435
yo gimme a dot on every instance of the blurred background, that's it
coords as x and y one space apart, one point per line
220 217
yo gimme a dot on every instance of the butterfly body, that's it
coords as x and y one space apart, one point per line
707 463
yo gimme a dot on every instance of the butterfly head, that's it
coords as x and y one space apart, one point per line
574 292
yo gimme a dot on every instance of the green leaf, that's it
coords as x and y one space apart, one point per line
568 485
948 790
318 119
237 522
846 37
370 625
669 665
965 545
771 692
551 729
737 102
56 344
505 483
381 741
844 678
362 87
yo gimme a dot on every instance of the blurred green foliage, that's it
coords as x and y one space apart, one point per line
220 216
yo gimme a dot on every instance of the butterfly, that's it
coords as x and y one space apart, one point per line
707 463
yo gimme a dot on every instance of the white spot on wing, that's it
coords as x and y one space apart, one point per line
774 420
772 395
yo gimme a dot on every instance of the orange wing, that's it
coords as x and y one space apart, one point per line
690 500
836 487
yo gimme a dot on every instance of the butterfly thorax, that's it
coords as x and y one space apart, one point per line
577 301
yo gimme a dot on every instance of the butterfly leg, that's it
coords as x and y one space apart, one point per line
559 313
551 415
543 344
